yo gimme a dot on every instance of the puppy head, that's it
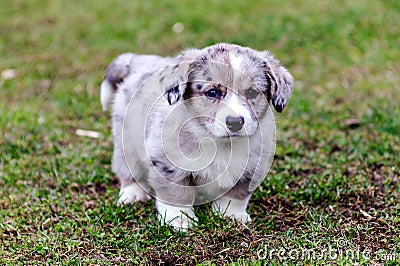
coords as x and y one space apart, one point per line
227 88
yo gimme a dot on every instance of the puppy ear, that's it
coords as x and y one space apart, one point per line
174 78
174 94
280 82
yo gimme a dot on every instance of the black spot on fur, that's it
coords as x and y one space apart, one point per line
278 103
173 95
162 168
167 170
116 74
272 85
188 92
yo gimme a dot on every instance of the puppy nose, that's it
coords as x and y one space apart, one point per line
234 123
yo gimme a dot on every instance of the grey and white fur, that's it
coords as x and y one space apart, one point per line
195 124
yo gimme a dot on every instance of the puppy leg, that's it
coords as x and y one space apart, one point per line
174 202
179 217
231 207
234 203
130 192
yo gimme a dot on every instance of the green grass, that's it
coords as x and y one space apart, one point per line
332 186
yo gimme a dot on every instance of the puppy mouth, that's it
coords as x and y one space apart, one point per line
227 135
222 132
234 136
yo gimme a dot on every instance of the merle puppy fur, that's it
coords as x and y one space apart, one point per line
194 128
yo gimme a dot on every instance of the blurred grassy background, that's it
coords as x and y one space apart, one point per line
330 178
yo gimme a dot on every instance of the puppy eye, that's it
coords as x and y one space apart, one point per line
213 93
251 93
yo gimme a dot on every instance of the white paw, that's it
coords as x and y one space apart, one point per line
181 218
131 194
232 208
242 217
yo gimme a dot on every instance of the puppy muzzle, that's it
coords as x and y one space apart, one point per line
234 124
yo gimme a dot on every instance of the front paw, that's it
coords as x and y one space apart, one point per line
242 217
233 208
131 194
180 218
